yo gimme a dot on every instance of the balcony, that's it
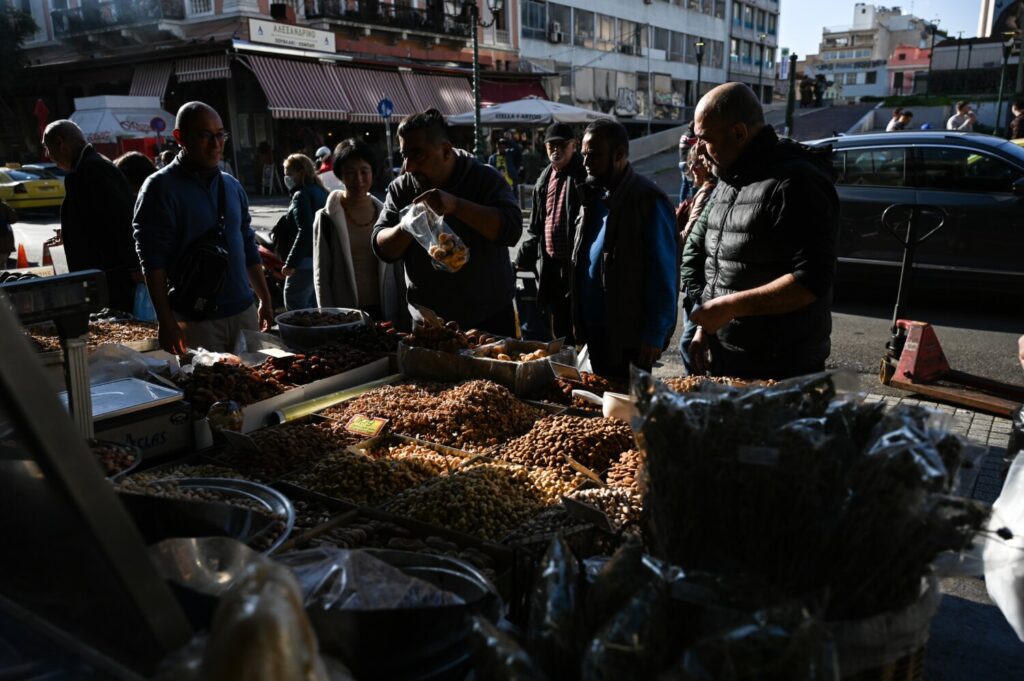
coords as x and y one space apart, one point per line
103 16
376 13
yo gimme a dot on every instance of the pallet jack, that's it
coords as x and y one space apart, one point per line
914 360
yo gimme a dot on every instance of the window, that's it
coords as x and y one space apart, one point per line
734 50
534 18
691 48
964 170
717 54
748 16
661 38
583 28
629 36
769 60
677 49
902 56
871 78
605 36
879 167
719 9
761 25
773 21
561 15
745 50
737 13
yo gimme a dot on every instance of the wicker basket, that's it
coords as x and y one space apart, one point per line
890 646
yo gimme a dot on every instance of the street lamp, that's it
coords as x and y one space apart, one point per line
472 13
700 60
760 67
1009 37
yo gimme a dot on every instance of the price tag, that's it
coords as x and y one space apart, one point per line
366 426
564 371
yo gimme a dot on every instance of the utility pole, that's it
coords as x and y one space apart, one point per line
956 68
700 60
650 85
931 56
760 67
791 95
1007 49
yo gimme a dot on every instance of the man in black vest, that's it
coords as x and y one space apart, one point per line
547 251
770 244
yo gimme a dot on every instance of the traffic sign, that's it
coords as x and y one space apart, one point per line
158 124
385 108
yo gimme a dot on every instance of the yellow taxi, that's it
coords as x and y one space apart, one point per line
23 188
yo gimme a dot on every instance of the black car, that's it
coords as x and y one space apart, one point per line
976 180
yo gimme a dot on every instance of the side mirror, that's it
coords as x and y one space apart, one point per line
1018 188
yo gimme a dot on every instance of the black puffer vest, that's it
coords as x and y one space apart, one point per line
749 244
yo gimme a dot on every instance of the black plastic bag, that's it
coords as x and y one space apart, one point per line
621 577
499 658
551 637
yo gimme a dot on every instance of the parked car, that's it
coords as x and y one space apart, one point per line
977 180
23 189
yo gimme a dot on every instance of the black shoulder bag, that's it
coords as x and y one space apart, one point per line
198 276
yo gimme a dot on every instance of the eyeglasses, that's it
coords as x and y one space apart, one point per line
207 136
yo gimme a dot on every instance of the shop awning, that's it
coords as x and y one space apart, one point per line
206 67
301 89
494 92
451 95
150 80
366 87
105 118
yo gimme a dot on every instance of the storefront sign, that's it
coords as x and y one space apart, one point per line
288 35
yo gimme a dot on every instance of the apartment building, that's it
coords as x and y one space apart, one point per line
856 57
640 61
754 45
286 76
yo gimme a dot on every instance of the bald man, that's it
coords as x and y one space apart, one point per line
181 207
772 228
96 216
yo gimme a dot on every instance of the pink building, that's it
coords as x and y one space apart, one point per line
908 69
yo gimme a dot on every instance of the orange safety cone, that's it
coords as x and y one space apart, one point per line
22 258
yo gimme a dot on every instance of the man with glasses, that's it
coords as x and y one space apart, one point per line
547 251
96 216
178 206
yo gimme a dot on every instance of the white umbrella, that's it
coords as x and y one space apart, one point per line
529 111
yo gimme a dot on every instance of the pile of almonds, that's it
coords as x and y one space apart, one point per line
438 463
208 384
486 501
626 472
361 480
593 442
623 507
328 360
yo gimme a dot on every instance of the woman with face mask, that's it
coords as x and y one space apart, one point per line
346 273
308 196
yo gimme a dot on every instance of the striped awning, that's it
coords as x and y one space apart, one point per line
301 89
206 67
366 87
451 95
150 80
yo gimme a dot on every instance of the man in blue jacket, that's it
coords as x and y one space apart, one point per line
625 262
179 204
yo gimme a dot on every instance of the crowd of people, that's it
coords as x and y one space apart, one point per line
751 246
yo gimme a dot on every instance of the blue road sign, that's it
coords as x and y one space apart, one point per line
385 108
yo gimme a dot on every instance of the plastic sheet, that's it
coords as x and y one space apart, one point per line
447 251
1004 554
114 362
499 658
552 618
339 579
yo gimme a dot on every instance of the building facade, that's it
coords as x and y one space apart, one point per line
637 60
288 76
908 70
754 44
856 57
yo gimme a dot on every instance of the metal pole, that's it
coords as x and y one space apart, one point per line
478 133
760 71
791 95
700 61
931 55
967 69
999 98
956 68
650 85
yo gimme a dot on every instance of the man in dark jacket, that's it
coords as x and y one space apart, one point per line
477 204
770 244
625 264
96 216
548 250
1015 129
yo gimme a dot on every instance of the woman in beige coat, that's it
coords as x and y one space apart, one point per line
346 273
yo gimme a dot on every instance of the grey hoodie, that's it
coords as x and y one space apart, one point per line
486 283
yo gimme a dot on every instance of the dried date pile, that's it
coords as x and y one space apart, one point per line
447 337
370 533
323 362
314 318
113 457
361 480
222 381
282 449
595 443
377 337
627 471
486 501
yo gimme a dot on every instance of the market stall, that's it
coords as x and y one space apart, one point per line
116 124
436 505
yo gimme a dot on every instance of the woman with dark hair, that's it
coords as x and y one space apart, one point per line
136 167
346 273
308 196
